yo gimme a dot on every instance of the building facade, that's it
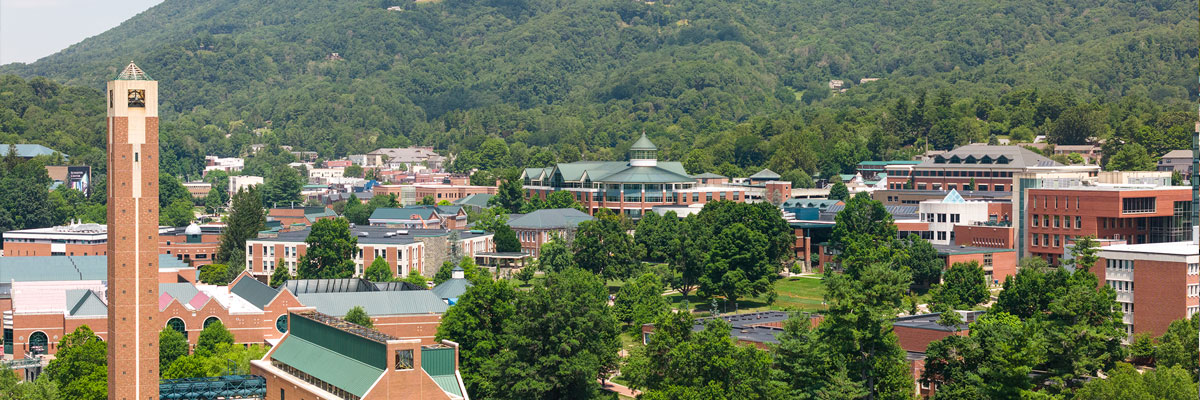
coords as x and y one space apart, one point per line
538 227
1155 283
406 251
975 167
1137 214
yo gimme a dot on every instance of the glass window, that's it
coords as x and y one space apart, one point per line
404 359
281 323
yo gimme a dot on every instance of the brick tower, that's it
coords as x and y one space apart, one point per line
132 236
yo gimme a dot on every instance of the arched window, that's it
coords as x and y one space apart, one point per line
38 343
282 323
209 321
178 325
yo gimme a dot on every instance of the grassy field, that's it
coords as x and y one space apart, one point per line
794 294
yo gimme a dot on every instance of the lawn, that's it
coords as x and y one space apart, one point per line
794 294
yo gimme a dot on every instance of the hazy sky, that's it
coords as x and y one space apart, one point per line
32 29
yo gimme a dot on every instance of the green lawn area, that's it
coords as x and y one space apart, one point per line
794 294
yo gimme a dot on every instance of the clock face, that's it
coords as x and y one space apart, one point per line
137 98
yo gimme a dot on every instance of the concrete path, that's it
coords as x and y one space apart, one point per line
619 389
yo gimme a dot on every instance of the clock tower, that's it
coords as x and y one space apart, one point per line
132 236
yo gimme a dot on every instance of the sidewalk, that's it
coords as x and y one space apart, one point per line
619 389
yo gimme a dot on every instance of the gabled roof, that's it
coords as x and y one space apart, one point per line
764 175
425 212
254 292
451 288
478 200
643 143
376 303
332 367
448 210
1170 154
305 286
85 302
28 150
644 175
978 154
709 175
564 218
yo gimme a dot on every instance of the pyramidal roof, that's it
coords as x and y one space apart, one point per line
643 144
133 73
953 197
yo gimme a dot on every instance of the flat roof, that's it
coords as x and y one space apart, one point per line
376 235
1120 188
929 321
947 249
1188 248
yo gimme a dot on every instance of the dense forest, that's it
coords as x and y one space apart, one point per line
723 86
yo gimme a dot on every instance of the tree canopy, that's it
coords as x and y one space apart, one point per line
330 251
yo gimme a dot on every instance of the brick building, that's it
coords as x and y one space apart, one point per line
997 263
289 217
420 217
1135 213
406 251
989 168
194 244
1156 283
324 357
538 227
411 194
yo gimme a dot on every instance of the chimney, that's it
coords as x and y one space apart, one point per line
457 273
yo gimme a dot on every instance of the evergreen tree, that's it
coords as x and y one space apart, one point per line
280 275
246 219
839 191
379 271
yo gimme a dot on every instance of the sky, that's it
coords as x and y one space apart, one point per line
32 29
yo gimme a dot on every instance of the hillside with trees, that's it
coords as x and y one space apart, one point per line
723 86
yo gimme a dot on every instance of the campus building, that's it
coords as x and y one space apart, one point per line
406 250
975 167
538 227
412 194
420 217
1156 283
942 216
193 244
632 187
1137 214
325 357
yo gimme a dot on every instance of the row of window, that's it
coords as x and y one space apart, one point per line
1047 200
1127 308
1194 290
1058 220
982 187
1121 286
1122 223
1193 269
1044 240
942 217
1120 265
958 173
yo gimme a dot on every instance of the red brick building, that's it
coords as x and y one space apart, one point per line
978 167
194 244
1155 283
1137 214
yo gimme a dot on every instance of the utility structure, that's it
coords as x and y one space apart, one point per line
132 236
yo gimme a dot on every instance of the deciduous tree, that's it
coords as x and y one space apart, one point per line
379 271
80 367
358 315
330 251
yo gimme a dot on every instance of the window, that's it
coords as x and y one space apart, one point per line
941 235
1036 241
999 188
1045 239
281 323
404 359
1193 269
941 217
1046 221
178 325
1056 241
955 218
1135 205
1193 290
1078 222
211 320
137 98
1056 221
1035 221
987 260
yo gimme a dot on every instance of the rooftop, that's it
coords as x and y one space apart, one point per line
347 285
929 321
133 73
1178 154
990 157
551 218
643 143
27 150
1187 248
944 249
377 235
66 268
376 303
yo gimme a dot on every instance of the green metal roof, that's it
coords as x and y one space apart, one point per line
643 143
885 163
709 175
645 175
448 383
255 292
66 268
182 292
376 303
478 200
551 218
327 365
451 288
82 302
133 73
424 212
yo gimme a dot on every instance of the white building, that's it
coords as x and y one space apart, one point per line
942 215
227 164
324 175
239 182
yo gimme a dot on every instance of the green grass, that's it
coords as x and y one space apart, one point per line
793 294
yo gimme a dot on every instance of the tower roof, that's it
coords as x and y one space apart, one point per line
133 73
643 144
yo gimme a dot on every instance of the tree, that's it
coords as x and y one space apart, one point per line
1125 382
379 271
653 235
506 239
213 203
218 274
353 171
555 256
358 315
682 363
80 367
1177 346
280 275
603 247
417 279
40 389
246 219
171 345
864 233
688 255
561 338
839 192
330 252
211 337
857 328
471 271
965 286
562 199
179 213
427 201
171 191
994 361
283 186
1077 125
1083 253
356 211
737 265
921 258
476 323
509 196
640 301
1131 157
801 361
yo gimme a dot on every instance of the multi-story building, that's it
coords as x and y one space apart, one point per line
194 244
1177 161
198 189
1137 214
409 195
230 165
299 217
420 217
943 215
324 357
871 170
406 250
239 182
1156 283
631 187
538 227
975 167
407 157
325 175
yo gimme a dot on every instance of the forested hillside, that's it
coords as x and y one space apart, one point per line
724 86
